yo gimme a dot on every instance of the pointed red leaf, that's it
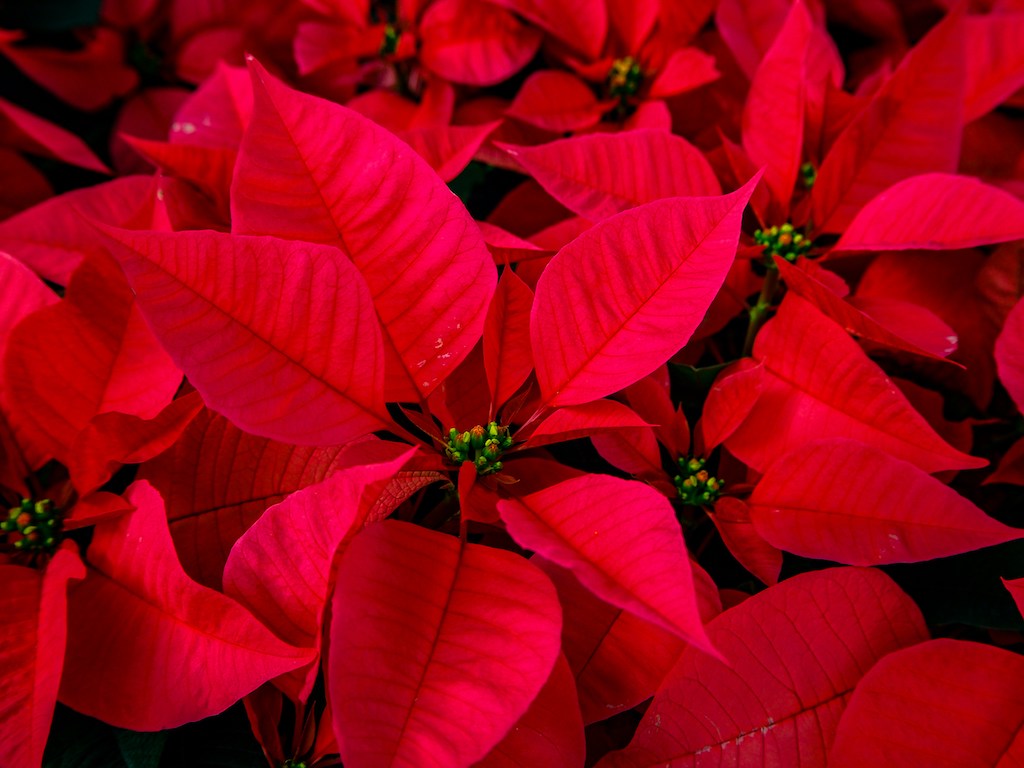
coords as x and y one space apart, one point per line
621 539
475 43
1016 590
922 332
582 24
1009 352
280 568
602 321
551 731
147 647
52 237
819 383
448 148
218 480
935 211
795 653
911 126
316 171
816 502
773 116
112 439
92 353
556 101
508 357
1011 466
749 27
21 129
730 400
650 398
437 646
21 184
945 703
218 112
33 630
311 375
600 175
576 421
995 61
618 659
684 70
732 519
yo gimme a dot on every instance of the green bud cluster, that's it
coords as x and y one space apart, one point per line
390 43
782 241
625 77
483 446
808 174
289 763
36 525
696 487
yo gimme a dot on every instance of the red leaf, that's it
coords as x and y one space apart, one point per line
795 653
684 70
618 659
943 703
816 502
995 61
147 647
556 101
33 631
620 539
603 174
448 148
901 326
280 568
595 309
311 375
773 117
21 184
820 384
52 237
112 439
551 731
475 43
437 646
23 130
90 354
911 126
218 480
1016 590
1009 353
749 28
582 24
730 401
217 114
508 357
577 421
935 211
316 171
732 519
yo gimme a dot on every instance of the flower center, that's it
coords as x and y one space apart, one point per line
390 43
33 527
696 487
483 446
808 174
625 78
782 241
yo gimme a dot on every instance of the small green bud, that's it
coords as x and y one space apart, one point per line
695 485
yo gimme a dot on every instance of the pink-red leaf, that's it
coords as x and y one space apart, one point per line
730 400
508 357
995 61
581 24
620 539
279 336
911 126
33 630
731 517
603 174
944 703
316 171
437 647
556 101
576 421
843 501
626 295
147 647
20 128
819 383
935 211
795 653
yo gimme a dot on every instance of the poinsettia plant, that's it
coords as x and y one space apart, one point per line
513 383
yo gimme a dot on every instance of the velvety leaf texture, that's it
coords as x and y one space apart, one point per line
316 171
279 336
795 651
623 297
437 647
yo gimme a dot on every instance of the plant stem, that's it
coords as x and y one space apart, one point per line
759 312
